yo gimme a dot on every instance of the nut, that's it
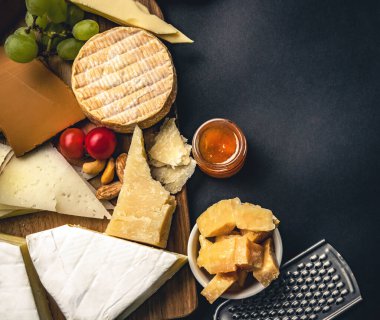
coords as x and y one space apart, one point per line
120 165
109 172
109 191
94 167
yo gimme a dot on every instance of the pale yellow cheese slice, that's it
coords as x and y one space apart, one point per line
133 13
170 148
144 208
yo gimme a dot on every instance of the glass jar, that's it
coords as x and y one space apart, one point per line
219 148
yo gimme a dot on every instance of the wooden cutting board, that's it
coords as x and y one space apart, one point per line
178 297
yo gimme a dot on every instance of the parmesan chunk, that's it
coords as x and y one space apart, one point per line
219 219
269 270
170 147
144 208
173 179
254 218
218 285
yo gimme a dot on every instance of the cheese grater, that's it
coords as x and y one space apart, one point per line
316 284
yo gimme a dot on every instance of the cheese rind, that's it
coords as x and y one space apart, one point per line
21 294
170 147
44 180
92 276
144 208
135 14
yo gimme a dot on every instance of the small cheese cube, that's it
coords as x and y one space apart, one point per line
218 219
254 218
220 257
203 257
243 252
269 271
218 285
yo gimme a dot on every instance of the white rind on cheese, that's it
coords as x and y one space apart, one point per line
169 148
16 297
44 180
173 179
96 277
6 153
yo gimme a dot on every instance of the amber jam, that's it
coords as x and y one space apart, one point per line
220 148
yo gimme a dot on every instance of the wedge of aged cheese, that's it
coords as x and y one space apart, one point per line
123 77
269 270
35 104
135 14
44 180
218 285
218 219
254 218
170 147
6 154
144 208
173 179
93 276
21 293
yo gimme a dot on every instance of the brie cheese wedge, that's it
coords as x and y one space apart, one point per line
19 285
44 180
94 276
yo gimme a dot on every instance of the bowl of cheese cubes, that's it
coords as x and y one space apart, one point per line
235 250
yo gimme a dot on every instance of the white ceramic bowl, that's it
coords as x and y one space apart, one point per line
204 278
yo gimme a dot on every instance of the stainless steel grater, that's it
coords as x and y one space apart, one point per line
316 284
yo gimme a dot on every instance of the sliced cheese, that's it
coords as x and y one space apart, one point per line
21 294
173 179
144 208
6 154
94 276
170 147
44 180
135 14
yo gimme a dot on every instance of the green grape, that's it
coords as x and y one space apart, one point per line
40 22
57 11
21 48
74 14
37 7
69 48
23 32
85 29
50 31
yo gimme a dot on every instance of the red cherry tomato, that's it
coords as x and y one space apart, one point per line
100 143
71 143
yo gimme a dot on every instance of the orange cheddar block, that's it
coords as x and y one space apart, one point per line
203 256
254 218
269 270
220 257
218 220
218 285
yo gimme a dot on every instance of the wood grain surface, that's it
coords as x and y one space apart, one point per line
178 297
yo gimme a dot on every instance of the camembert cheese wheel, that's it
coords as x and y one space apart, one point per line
123 77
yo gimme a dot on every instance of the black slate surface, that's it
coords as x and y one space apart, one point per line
301 78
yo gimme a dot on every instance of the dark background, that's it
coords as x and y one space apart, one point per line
301 78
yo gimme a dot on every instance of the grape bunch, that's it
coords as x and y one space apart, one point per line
52 27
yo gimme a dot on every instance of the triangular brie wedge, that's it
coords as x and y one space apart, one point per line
144 208
44 180
170 148
93 276
21 293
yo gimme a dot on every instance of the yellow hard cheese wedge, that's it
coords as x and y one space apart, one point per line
218 285
219 219
203 256
144 208
132 13
269 270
